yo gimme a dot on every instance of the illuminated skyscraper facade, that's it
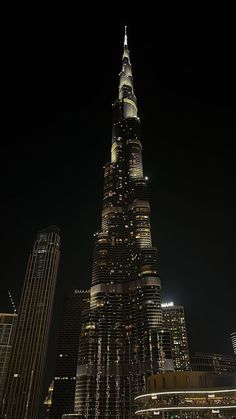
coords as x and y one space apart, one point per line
174 321
121 337
23 385
7 327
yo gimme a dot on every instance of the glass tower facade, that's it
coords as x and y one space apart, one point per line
7 327
174 321
121 340
23 385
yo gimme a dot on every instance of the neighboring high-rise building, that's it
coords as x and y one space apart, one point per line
67 352
7 327
218 363
233 338
120 344
22 393
174 321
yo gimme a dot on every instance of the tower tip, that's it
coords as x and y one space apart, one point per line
126 38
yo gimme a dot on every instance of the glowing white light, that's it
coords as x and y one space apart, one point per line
146 178
170 304
126 38
161 393
163 409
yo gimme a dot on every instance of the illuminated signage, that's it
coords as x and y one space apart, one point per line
170 304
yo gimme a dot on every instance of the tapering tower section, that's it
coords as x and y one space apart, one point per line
126 90
121 341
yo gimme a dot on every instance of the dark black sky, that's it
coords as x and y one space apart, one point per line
59 78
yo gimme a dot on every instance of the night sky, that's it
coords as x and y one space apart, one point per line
59 79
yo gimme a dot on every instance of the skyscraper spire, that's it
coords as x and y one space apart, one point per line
126 38
126 89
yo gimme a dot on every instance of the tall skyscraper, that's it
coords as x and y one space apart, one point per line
174 321
233 338
63 397
23 386
120 341
7 327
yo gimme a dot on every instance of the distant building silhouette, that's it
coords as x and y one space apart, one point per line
233 338
63 397
23 386
208 362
